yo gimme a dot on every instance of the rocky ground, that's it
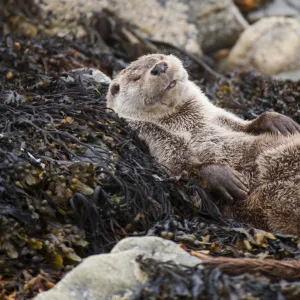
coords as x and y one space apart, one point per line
74 181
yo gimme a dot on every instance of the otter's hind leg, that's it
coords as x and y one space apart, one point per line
280 163
277 196
278 205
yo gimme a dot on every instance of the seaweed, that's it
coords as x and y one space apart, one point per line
74 180
167 280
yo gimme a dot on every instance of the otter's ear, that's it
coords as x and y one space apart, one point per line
115 88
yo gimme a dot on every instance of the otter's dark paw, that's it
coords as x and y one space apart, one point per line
223 182
274 122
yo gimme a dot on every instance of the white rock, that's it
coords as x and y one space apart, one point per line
291 75
269 46
111 276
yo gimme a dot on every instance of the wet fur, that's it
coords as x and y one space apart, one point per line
184 129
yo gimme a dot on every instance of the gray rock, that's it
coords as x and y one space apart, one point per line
219 23
88 76
165 21
190 25
290 8
269 46
292 75
91 74
116 275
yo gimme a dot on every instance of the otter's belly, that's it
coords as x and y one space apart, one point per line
232 149
241 151
238 150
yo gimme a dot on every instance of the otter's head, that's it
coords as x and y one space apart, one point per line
150 86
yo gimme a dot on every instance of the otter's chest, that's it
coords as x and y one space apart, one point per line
183 122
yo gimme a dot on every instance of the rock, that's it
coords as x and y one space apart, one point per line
285 8
291 75
213 24
88 77
270 46
158 248
91 74
219 23
190 25
108 276
165 21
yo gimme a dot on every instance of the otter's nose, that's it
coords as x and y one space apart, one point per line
159 68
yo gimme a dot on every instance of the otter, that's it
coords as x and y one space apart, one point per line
255 165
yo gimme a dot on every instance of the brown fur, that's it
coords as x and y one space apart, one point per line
183 128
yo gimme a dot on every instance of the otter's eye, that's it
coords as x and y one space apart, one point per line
136 77
115 88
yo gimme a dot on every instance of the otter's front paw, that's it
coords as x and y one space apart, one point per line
274 122
223 182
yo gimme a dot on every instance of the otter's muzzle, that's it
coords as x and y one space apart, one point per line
159 68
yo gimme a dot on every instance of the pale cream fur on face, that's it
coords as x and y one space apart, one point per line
135 92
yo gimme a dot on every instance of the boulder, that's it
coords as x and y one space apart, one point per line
282 8
116 275
190 25
219 23
291 75
269 46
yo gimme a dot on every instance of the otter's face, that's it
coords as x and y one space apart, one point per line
153 83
